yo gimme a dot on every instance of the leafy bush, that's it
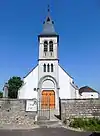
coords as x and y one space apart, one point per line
1 94
14 84
91 124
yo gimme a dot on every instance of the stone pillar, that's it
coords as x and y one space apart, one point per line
5 90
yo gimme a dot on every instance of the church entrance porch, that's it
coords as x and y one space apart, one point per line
46 105
48 99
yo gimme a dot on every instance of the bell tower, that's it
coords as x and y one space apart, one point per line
48 68
48 49
48 40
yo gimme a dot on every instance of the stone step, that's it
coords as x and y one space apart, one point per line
42 118
47 124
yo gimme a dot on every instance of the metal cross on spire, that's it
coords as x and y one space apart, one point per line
48 8
48 27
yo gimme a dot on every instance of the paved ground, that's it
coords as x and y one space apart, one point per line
43 132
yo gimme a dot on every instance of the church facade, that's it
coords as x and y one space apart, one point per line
48 80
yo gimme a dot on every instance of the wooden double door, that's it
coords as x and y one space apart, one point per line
48 99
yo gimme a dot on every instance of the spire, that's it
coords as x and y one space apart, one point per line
48 28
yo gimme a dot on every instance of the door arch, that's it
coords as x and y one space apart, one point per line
48 99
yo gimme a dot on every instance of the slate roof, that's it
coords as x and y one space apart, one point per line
48 26
86 89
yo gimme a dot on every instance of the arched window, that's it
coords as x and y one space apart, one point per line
51 67
51 46
45 46
48 68
44 67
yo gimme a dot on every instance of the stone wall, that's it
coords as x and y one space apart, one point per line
13 114
80 108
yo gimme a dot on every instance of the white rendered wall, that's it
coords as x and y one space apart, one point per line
77 94
89 95
55 69
73 91
30 82
48 84
64 84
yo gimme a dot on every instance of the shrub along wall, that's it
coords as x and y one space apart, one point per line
88 124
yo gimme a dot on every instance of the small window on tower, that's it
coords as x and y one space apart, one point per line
51 46
51 67
48 68
45 46
44 66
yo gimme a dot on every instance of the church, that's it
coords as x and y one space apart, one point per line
48 81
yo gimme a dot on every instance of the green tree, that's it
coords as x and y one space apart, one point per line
14 84
1 94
